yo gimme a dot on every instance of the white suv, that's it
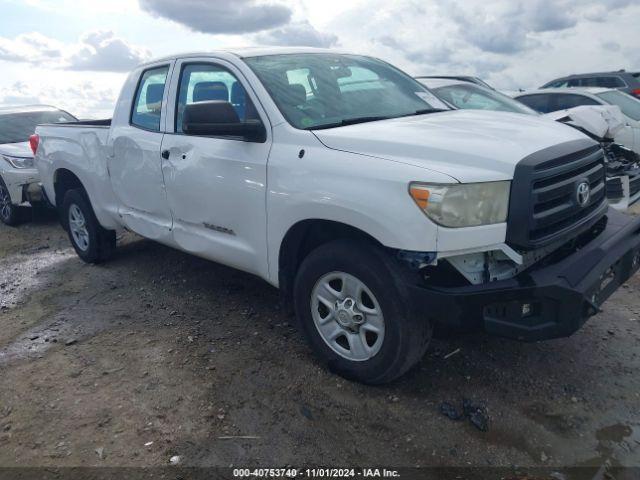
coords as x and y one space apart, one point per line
19 180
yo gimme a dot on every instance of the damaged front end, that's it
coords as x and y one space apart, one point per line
549 293
603 124
623 175
24 189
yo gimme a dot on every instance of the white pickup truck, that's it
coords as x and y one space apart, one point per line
339 179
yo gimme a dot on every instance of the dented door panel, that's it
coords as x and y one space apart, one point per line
216 192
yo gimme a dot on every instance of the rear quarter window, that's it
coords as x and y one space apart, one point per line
147 103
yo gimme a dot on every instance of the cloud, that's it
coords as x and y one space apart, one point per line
95 51
509 43
504 27
433 54
546 16
220 17
30 47
611 46
103 51
82 98
509 27
298 34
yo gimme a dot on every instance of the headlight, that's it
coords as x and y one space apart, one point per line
463 205
19 162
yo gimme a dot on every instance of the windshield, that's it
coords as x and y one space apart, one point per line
475 97
328 90
629 105
18 127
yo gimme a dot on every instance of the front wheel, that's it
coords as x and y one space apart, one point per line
355 316
92 242
9 213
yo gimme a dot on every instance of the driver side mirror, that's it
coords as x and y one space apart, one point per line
217 118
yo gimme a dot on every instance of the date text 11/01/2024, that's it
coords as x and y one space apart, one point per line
316 473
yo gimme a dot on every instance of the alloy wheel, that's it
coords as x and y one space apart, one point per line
78 228
5 203
348 316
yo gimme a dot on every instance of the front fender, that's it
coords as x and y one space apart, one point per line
367 193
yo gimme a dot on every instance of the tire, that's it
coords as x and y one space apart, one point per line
373 358
92 242
10 214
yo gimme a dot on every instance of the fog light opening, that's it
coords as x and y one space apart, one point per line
527 309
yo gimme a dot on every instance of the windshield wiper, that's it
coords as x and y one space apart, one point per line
349 121
424 111
353 121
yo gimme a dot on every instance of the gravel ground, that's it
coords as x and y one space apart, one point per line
158 354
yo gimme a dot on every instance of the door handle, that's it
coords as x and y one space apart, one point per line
165 154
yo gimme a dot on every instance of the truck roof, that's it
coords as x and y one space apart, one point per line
245 52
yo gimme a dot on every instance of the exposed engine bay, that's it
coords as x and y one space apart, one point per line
602 123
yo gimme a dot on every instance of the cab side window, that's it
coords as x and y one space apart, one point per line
202 82
147 104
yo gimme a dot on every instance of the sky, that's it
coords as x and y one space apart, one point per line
75 54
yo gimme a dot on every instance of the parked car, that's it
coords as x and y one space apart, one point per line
19 181
464 78
628 82
603 123
460 93
332 178
552 100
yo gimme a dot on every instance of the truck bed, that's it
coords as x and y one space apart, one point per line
78 147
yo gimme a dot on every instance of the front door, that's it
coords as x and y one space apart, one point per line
134 161
216 186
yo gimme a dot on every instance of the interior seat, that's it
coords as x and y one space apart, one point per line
204 91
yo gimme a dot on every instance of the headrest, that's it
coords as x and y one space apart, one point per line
204 91
238 94
295 95
154 95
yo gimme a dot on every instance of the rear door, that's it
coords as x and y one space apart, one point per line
216 186
134 160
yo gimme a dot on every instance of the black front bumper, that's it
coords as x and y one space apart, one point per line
546 301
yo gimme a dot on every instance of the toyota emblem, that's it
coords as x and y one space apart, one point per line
583 194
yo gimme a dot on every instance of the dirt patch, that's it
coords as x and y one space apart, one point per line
158 353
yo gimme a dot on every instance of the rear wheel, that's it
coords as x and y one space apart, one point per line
354 315
92 242
9 213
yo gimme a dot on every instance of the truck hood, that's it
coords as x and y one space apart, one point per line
468 145
21 149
